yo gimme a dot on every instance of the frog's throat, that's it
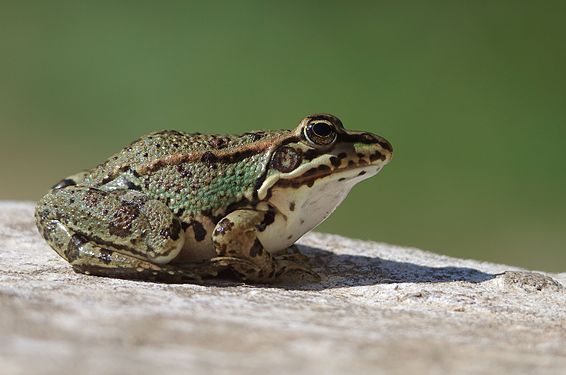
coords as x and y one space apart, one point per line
303 206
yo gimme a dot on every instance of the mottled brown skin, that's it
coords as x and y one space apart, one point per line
145 212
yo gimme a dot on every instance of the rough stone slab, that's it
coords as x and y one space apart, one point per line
379 309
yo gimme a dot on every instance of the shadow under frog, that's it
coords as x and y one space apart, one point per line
347 270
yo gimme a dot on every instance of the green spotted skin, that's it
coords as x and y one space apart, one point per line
176 207
202 183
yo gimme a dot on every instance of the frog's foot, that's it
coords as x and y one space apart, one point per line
238 247
292 253
295 262
282 268
242 266
231 261
289 268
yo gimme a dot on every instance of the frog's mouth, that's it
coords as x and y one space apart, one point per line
342 167
362 169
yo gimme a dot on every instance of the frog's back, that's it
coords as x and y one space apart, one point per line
157 146
190 171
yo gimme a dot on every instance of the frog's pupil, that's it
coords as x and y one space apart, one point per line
321 129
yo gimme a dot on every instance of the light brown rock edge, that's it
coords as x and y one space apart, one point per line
379 309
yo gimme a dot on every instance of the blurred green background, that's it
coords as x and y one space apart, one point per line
471 94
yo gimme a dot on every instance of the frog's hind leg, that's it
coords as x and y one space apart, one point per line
92 259
118 234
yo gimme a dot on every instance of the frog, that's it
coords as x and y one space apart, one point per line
184 207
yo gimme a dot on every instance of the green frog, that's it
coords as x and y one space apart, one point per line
177 207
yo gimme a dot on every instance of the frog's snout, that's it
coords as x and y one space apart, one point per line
385 146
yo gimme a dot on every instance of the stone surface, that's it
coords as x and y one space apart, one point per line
379 309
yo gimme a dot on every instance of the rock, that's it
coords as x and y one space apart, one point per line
530 281
379 309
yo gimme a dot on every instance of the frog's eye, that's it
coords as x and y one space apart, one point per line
320 133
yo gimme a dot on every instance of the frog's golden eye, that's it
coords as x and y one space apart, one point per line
320 133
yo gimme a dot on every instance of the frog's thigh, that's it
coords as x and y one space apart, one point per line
125 221
237 246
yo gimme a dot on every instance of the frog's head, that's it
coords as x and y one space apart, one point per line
312 169
321 151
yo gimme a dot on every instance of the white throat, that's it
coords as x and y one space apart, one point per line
302 208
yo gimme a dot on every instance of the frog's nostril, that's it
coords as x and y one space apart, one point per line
384 143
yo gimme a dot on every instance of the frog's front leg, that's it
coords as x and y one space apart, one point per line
113 233
238 247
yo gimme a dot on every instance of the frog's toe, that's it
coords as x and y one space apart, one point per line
235 262
293 257
291 260
246 269
281 269
288 267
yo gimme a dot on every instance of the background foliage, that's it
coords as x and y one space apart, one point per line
470 93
